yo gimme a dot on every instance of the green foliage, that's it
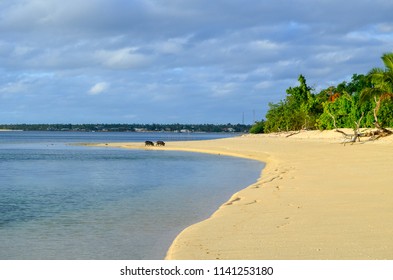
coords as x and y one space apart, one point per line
298 110
366 97
355 86
258 127
343 105
275 117
385 115
343 111
381 88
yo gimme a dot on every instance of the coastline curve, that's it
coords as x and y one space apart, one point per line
313 201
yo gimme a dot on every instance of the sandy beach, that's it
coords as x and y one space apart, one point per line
315 199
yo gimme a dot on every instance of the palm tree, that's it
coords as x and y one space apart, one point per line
382 81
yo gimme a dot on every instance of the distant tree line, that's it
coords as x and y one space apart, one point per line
131 127
365 101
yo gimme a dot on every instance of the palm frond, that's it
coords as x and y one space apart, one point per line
387 59
369 93
375 71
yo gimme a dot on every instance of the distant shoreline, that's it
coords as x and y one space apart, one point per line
177 128
316 199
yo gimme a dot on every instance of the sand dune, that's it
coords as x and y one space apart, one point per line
316 199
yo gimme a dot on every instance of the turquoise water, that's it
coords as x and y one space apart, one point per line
60 201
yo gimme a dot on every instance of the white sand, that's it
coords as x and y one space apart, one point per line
316 199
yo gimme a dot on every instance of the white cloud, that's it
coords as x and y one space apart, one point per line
15 87
334 57
181 52
98 88
263 85
123 58
172 45
222 90
264 45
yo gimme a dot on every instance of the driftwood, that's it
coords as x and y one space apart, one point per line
304 128
373 135
349 138
293 133
380 132
355 136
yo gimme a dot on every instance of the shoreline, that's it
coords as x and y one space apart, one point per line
315 199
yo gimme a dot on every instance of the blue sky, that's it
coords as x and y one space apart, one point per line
177 61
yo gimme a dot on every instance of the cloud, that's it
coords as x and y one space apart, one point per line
98 88
124 58
172 45
13 88
176 58
222 90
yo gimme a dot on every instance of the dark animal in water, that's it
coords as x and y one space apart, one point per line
160 143
149 143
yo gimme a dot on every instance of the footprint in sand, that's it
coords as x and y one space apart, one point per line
253 202
287 222
233 201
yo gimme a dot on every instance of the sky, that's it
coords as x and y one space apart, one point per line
178 61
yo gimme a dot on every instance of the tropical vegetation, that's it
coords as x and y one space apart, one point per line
365 101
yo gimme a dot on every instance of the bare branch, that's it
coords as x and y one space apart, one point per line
293 133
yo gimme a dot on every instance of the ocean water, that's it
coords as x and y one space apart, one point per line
61 201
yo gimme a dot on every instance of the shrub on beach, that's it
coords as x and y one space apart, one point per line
258 127
365 101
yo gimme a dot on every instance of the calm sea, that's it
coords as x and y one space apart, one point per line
61 201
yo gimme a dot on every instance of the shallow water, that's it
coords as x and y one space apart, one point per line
59 201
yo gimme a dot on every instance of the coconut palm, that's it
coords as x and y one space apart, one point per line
382 81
